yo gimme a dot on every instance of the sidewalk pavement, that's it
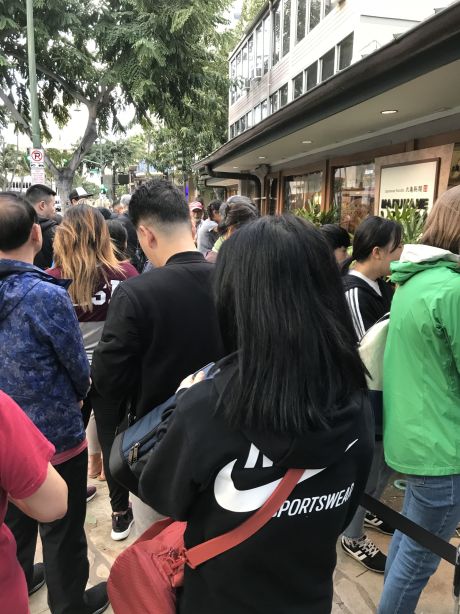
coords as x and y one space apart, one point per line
357 591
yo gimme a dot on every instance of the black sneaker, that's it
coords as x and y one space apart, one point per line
121 525
96 599
374 522
365 552
38 579
90 493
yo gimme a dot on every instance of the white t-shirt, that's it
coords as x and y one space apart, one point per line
373 284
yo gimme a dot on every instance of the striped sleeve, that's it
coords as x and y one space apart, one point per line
352 299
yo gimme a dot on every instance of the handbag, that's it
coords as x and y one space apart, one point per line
132 448
372 350
144 578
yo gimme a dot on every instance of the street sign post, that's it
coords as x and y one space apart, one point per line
37 166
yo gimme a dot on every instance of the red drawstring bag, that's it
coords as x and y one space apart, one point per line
144 577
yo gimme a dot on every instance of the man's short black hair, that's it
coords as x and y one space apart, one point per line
336 236
159 202
213 207
17 216
119 236
38 192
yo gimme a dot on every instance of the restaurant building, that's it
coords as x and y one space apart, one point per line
349 104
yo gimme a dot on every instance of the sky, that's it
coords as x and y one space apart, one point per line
236 8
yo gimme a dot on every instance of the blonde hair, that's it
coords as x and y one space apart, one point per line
442 228
83 251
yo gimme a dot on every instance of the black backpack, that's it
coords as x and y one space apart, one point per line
132 448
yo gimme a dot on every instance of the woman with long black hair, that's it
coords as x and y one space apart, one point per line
290 393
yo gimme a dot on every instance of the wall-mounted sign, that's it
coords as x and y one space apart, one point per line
412 183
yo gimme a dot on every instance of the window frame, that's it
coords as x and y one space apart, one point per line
302 89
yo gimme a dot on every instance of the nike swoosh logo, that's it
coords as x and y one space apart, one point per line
234 500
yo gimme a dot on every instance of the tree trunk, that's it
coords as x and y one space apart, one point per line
64 181
114 184
64 176
191 186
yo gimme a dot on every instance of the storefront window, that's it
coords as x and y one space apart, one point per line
301 19
297 85
273 196
354 190
345 52
302 191
454 176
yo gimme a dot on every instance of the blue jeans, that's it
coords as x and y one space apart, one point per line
433 503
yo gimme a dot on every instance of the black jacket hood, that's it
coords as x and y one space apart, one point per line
316 449
46 223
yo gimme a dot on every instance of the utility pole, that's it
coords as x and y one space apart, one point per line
32 75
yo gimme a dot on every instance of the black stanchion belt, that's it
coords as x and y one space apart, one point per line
436 544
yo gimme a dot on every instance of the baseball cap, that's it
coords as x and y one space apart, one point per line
195 205
78 193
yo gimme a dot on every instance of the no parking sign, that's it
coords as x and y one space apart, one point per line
37 166
37 156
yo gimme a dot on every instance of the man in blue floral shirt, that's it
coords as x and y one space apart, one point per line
45 370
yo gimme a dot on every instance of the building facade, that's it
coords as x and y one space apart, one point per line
294 45
327 96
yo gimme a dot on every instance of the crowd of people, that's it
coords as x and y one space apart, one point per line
106 314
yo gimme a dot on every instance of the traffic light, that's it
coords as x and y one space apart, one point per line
103 189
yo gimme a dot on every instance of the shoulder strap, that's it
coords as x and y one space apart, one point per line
213 547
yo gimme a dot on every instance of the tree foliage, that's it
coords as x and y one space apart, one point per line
117 154
157 55
249 11
13 164
411 219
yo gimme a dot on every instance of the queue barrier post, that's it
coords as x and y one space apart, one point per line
456 587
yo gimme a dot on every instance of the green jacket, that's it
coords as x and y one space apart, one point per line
421 376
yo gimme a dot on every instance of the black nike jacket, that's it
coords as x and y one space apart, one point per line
214 477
